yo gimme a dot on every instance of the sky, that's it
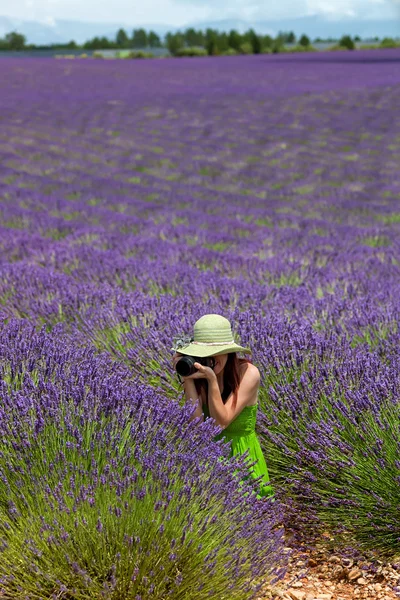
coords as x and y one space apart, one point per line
180 12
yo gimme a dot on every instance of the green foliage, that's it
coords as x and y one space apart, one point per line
287 37
337 48
267 41
153 40
254 40
191 52
13 41
392 218
376 241
299 48
304 41
357 498
193 38
139 54
211 42
174 42
100 43
140 39
218 246
122 39
278 46
67 531
234 40
222 43
230 52
389 43
347 42
246 48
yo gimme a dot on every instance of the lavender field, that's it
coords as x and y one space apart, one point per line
137 196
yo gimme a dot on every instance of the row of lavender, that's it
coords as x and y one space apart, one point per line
135 198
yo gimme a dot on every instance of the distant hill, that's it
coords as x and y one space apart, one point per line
314 26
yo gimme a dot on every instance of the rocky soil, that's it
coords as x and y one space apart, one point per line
321 574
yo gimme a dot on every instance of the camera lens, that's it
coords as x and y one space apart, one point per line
185 366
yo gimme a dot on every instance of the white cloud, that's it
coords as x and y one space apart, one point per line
50 21
346 8
136 12
179 12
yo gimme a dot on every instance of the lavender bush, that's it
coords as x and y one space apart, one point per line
109 492
336 457
137 196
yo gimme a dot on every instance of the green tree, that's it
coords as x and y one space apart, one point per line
94 44
222 42
234 40
153 40
190 37
212 42
357 38
15 41
139 38
193 38
389 43
347 42
174 42
267 41
98 43
304 41
287 37
106 44
122 39
254 40
277 44
201 38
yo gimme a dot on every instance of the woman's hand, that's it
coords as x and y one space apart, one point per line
202 373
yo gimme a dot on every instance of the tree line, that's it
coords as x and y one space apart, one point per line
211 40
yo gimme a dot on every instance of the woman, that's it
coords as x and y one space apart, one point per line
227 392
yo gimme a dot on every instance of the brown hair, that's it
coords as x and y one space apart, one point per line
231 378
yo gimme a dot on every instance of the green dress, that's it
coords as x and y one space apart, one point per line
242 435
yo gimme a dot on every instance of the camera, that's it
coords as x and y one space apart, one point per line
185 365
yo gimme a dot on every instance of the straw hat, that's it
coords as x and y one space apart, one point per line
212 335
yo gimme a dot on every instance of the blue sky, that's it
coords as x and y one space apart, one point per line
181 12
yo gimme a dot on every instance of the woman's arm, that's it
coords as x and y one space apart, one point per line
191 394
215 403
224 414
193 397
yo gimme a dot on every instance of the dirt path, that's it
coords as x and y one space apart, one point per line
323 575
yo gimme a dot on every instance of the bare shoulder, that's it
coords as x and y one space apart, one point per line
250 383
249 373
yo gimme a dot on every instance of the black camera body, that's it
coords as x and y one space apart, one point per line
185 365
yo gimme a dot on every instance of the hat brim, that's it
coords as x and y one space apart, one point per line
205 351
